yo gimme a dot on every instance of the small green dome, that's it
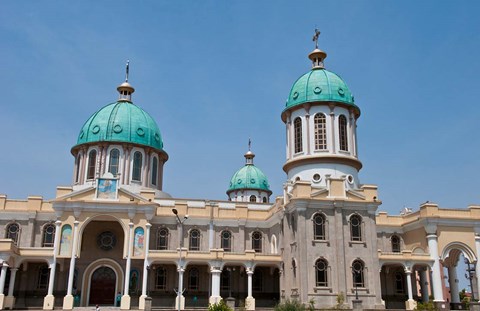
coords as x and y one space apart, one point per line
249 177
319 84
121 122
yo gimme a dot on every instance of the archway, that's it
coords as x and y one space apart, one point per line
102 286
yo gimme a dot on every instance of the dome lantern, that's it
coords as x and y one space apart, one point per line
317 56
125 89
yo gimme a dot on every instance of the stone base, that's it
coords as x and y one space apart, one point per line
9 302
249 303
410 304
141 302
2 301
214 299
182 302
357 305
68 302
48 302
230 302
125 303
474 306
441 305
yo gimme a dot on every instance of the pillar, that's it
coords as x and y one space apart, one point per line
2 285
10 299
215 297
125 303
424 284
477 265
249 301
49 300
68 299
410 304
436 275
452 277
141 302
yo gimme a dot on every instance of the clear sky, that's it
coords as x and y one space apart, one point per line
214 73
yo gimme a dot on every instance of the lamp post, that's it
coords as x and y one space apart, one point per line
469 276
180 266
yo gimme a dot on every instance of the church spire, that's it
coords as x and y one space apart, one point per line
317 56
125 89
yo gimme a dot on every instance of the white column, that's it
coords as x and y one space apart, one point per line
424 284
141 303
477 264
3 277
11 285
249 301
48 301
73 258
452 277
125 304
249 283
409 284
436 275
215 297
210 236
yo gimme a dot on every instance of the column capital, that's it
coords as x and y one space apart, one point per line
58 223
75 223
148 225
130 224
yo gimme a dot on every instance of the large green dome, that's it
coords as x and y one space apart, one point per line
319 84
121 122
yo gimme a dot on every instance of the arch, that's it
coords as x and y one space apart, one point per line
91 268
464 248
252 198
297 135
320 131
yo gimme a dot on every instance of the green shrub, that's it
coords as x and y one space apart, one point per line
290 305
220 306
425 306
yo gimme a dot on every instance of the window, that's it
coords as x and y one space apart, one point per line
399 288
319 227
13 232
43 274
358 274
257 241
162 239
193 279
48 235
77 171
154 171
321 273
264 200
297 132
342 132
395 244
161 278
253 198
92 162
114 160
226 241
356 228
194 240
320 131
257 281
137 166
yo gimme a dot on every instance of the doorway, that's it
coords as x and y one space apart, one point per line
102 287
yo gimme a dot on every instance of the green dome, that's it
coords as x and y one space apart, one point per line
249 177
121 122
319 84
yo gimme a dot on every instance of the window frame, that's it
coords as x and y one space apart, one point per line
160 237
14 236
191 239
358 279
137 167
52 234
91 168
343 133
320 131
298 135
322 227
356 235
321 276
228 246
257 243
110 159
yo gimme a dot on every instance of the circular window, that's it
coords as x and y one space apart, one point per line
350 179
321 266
106 240
295 95
96 129
317 177
252 180
140 132
239 181
117 128
317 90
341 91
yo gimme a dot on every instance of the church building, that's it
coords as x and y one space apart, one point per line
115 238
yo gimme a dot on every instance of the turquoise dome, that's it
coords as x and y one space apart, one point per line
249 177
319 84
121 122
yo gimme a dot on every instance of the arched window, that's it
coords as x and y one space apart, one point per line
264 200
13 232
48 235
399 284
226 241
297 134
42 278
320 123
358 273
319 227
92 162
161 278
154 170
193 279
114 161
253 198
257 241
321 273
342 132
194 240
137 166
77 171
162 239
356 228
395 243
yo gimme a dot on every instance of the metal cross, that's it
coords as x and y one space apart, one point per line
249 144
315 37
126 71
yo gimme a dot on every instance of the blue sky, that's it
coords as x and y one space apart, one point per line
214 73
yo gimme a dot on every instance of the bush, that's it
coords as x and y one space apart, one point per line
220 306
290 305
425 306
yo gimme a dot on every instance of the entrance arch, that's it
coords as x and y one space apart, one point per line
102 286
88 281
